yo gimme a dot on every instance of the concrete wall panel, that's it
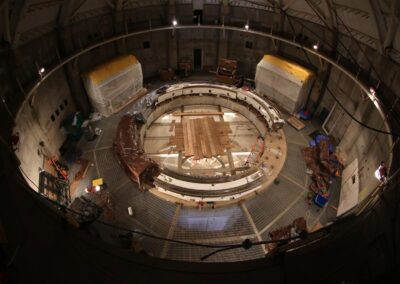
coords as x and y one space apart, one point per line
35 124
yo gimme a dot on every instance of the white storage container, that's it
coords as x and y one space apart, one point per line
284 82
114 84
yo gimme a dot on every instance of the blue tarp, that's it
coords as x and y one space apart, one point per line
320 137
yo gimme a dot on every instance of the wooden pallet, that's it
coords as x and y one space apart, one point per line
296 123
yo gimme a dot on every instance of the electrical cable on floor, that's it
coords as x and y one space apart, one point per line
246 244
65 209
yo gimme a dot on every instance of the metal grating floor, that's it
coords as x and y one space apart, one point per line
274 207
194 254
224 222
267 205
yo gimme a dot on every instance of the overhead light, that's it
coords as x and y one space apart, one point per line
41 70
315 46
372 90
246 27
174 23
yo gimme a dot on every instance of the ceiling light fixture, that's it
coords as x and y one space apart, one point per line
315 46
174 23
246 27
372 90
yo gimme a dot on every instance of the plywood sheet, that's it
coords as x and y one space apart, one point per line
296 123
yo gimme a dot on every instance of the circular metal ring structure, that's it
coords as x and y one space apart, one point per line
264 160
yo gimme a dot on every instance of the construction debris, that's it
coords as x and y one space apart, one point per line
323 166
83 211
296 229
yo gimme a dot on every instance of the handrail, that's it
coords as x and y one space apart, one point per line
354 78
363 87
208 27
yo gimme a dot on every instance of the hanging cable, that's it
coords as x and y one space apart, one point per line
308 59
338 18
66 209
329 90
247 244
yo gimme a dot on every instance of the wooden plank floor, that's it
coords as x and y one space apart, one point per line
198 113
201 137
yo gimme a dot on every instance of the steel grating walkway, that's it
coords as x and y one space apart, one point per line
272 208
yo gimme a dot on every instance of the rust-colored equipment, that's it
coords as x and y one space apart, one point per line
226 71
185 66
130 153
296 228
166 74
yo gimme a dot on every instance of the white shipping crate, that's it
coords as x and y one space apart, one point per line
112 85
284 82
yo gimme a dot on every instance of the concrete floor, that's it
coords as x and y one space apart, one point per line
254 218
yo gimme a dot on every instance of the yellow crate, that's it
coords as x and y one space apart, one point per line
97 182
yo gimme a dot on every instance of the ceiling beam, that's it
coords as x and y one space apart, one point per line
394 22
5 23
66 8
3 3
288 4
17 12
110 4
76 9
330 13
119 5
379 19
324 16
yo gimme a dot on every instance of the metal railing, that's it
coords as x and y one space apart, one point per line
338 62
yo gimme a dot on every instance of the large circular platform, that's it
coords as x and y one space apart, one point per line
224 223
213 143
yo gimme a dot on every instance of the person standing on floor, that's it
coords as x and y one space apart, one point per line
382 171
